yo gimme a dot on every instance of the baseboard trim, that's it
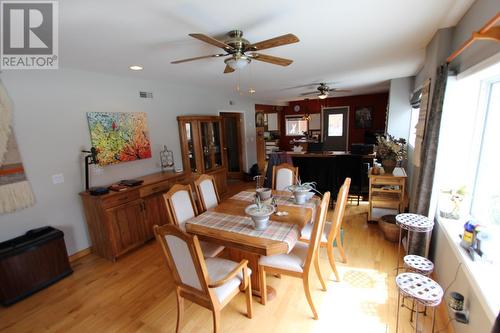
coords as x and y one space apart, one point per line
80 254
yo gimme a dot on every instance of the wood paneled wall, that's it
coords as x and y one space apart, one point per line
378 101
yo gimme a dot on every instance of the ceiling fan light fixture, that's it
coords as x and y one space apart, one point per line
323 96
237 61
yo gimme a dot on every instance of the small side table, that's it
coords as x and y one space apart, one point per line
387 191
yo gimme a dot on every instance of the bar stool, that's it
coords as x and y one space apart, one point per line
412 223
422 290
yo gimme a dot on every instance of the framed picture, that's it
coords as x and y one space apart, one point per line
363 117
119 136
259 119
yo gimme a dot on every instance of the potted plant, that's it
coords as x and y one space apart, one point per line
302 191
451 202
259 213
390 151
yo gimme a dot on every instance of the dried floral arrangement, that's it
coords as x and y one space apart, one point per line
390 148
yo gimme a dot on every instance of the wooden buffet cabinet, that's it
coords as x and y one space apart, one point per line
202 146
119 222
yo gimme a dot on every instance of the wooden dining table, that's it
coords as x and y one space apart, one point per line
240 245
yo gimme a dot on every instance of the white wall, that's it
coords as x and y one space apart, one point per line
51 128
399 116
475 18
398 122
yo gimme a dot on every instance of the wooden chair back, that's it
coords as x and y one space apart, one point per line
317 231
180 204
206 192
186 263
284 175
338 212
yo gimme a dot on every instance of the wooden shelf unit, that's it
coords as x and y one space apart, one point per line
387 191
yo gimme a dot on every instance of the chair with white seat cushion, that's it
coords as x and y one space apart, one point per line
210 282
181 207
284 175
332 233
206 191
299 262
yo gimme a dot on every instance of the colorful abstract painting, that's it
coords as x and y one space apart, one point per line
119 136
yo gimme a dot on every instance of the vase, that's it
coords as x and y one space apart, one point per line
389 166
260 216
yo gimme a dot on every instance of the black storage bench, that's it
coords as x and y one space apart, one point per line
32 262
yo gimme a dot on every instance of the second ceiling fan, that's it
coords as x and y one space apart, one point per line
241 52
323 91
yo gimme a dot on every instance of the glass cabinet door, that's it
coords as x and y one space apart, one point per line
217 149
190 146
211 145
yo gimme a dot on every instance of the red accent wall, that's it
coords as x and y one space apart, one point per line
356 135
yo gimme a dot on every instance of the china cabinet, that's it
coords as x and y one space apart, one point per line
202 146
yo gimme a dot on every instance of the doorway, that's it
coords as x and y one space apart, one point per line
335 128
233 122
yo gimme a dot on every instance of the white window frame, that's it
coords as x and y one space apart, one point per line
299 117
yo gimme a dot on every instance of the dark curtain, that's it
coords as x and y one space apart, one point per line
428 155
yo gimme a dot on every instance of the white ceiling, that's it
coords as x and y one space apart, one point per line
359 45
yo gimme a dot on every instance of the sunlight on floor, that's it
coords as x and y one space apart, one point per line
364 302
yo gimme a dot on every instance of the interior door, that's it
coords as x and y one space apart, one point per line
335 128
233 143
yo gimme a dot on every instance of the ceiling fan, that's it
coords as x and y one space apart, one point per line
323 91
241 52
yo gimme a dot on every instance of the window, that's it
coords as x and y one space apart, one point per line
295 126
486 192
335 125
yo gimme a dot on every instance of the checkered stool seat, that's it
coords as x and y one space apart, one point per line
414 222
418 264
423 289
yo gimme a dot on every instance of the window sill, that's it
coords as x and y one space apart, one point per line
482 275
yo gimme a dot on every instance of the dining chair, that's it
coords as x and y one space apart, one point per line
332 233
206 192
210 282
181 207
298 263
284 175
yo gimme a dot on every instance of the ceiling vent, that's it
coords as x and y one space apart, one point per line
145 94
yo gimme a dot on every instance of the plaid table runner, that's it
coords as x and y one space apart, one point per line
282 200
283 232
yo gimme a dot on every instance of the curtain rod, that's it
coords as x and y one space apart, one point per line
487 32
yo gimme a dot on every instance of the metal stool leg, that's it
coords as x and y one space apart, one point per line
412 310
397 312
416 320
433 317
399 249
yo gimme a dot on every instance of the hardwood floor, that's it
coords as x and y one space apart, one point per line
136 294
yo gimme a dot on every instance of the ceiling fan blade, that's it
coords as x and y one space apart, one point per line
271 59
197 58
228 69
210 40
309 93
274 42
339 90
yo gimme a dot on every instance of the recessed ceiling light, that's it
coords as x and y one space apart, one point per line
136 68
